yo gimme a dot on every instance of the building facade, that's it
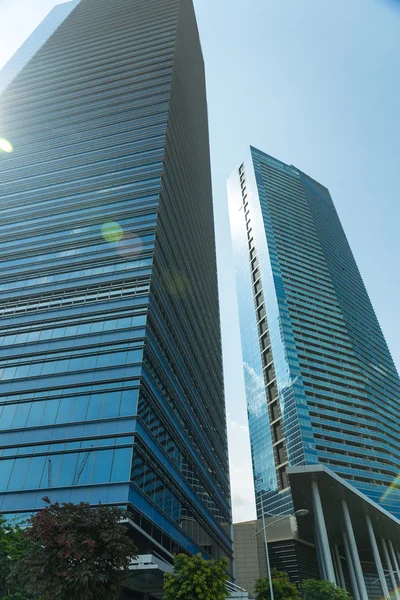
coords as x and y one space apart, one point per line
34 42
321 384
111 383
287 552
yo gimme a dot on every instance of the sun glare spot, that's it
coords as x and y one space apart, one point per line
5 145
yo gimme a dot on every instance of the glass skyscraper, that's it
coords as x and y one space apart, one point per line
111 384
321 384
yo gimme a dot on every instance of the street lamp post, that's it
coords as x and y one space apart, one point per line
299 513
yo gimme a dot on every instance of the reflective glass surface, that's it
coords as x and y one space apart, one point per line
331 390
111 383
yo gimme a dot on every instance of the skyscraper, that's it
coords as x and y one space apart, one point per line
321 385
111 377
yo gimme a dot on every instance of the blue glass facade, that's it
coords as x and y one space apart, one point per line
111 385
320 381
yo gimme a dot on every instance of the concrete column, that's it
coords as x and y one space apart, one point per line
323 534
354 551
335 567
391 569
394 560
352 573
342 580
377 558
320 559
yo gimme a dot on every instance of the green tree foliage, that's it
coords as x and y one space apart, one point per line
75 551
12 547
313 589
283 588
194 578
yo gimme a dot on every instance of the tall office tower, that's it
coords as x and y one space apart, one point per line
320 381
35 41
111 371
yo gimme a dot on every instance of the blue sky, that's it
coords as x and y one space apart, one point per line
316 84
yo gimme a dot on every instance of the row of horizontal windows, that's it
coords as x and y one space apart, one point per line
335 328
56 447
143 149
71 119
158 86
80 468
83 134
73 297
145 463
71 409
79 231
92 68
153 46
88 362
87 174
142 187
76 242
122 266
111 76
367 454
74 330
88 124
181 459
130 247
109 156
296 236
144 128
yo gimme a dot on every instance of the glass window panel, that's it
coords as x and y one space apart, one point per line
129 403
35 472
118 358
9 373
68 468
50 471
134 356
35 414
6 467
102 466
62 365
121 464
90 362
8 415
76 363
18 474
95 407
21 415
35 369
84 470
84 328
65 411
103 360
80 408
111 405
50 412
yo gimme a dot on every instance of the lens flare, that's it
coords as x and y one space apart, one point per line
392 594
176 284
112 232
129 244
395 485
5 145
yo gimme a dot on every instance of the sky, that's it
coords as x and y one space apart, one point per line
316 84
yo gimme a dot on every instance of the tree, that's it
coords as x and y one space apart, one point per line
283 588
75 551
194 578
12 547
313 589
